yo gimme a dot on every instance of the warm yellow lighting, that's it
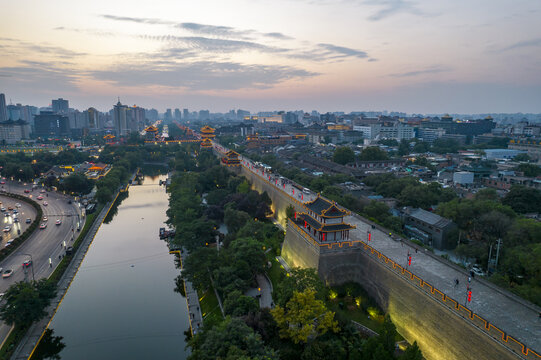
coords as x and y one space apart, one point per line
333 294
358 301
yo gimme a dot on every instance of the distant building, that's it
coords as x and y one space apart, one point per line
177 115
429 135
185 114
60 106
168 116
432 229
13 131
204 115
271 119
92 119
120 120
3 108
48 123
463 177
502 154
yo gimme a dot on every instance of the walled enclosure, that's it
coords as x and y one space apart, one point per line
440 332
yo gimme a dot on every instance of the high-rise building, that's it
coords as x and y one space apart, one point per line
47 123
93 119
14 112
3 108
177 115
119 119
13 131
168 117
60 106
135 118
204 115
185 114
152 114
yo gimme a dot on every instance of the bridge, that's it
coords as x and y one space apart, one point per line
421 299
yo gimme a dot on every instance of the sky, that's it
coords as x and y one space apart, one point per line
429 56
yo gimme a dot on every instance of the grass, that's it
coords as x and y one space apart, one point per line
276 273
210 309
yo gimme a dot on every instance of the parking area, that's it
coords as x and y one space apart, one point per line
14 215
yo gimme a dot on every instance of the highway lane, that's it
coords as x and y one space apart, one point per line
43 244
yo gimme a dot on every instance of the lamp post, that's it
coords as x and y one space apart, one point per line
32 261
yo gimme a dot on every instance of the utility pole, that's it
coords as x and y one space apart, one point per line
497 254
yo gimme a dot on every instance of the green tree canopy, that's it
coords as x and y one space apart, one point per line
304 317
25 302
373 153
343 155
523 199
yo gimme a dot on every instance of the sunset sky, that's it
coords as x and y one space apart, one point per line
430 56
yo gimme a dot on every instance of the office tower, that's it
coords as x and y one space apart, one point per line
3 108
92 118
13 131
177 115
47 123
204 115
135 118
151 114
14 112
60 106
119 117
185 114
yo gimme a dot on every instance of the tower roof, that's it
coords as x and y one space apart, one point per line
325 208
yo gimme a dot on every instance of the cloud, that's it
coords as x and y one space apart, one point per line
95 32
430 70
24 48
213 30
150 21
521 44
393 7
202 75
334 51
277 35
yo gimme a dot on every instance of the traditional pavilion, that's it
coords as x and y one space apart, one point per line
324 221
151 133
231 158
206 144
109 138
207 132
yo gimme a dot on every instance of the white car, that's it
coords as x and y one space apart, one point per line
7 228
45 203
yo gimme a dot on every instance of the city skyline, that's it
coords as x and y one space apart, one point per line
416 57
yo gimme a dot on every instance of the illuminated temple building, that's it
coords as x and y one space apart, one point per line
324 221
231 158
207 134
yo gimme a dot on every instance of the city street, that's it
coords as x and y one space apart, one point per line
44 244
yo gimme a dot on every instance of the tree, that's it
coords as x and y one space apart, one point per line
343 155
412 353
373 153
522 157
77 183
251 251
234 219
523 199
300 280
25 302
376 210
304 317
231 339
529 170
238 305
196 267
49 346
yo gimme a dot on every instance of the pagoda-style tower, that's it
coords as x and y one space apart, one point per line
206 144
324 221
207 132
231 158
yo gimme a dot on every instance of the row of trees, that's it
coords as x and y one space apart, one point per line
487 218
301 325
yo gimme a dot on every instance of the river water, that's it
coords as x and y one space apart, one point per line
122 304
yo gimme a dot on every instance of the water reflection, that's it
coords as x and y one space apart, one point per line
49 347
122 303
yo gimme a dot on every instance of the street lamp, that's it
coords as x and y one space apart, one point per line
32 261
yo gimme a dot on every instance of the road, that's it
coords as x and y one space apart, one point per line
43 244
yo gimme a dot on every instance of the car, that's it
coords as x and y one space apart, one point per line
26 191
6 214
10 208
45 218
40 197
42 191
45 203
28 220
15 219
69 201
27 263
9 242
69 250
2 209
2 182
18 205
15 211
58 222
7 273
43 226
7 228
476 269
